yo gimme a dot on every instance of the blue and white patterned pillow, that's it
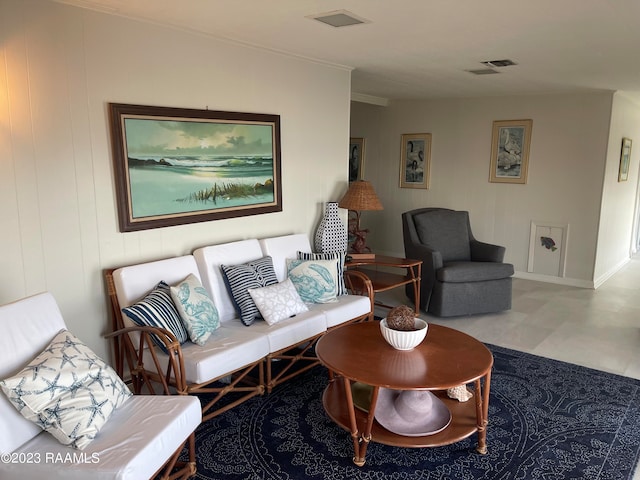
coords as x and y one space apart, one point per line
67 390
315 280
278 302
342 288
196 309
158 310
240 278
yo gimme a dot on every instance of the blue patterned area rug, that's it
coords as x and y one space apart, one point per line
548 420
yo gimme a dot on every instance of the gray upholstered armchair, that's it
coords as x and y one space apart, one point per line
460 275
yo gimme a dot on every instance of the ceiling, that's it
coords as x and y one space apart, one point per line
416 49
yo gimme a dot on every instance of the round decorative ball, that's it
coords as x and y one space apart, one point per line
401 318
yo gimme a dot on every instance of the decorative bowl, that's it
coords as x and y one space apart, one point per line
404 340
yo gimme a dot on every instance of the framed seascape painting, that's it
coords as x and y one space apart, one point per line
415 160
625 159
356 159
510 144
176 166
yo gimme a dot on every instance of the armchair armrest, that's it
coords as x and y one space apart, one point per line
173 375
359 284
431 258
486 252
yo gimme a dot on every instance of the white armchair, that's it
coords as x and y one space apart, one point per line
141 438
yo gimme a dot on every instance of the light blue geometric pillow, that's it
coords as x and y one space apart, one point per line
67 390
158 310
342 288
278 302
315 280
196 309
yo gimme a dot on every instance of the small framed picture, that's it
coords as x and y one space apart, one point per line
356 159
415 160
625 159
510 144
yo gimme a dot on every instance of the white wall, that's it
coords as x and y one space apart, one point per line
569 147
618 198
59 68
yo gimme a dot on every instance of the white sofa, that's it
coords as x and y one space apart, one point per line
235 356
138 439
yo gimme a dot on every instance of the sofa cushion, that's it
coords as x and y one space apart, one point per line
344 310
196 309
157 309
315 280
209 260
460 272
277 302
289 332
240 278
446 232
28 326
122 451
342 289
231 347
67 390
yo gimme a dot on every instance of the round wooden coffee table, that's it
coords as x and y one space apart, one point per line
445 359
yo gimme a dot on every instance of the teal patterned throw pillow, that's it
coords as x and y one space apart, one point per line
340 256
196 309
315 280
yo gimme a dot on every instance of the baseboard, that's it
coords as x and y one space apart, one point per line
611 272
571 282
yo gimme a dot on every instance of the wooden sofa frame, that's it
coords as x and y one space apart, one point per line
172 379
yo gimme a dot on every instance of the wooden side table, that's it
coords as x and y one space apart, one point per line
382 279
445 359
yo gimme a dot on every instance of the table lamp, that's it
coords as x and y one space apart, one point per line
360 197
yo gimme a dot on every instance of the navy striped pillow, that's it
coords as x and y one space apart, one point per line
158 310
342 289
240 278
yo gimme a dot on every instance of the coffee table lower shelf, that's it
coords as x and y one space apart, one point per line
463 420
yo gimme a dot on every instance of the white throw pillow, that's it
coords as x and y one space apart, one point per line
196 309
67 390
277 302
315 280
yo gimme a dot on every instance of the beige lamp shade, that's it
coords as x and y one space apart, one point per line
360 197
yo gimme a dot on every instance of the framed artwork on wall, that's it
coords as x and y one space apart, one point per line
176 166
356 159
625 159
548 248
510 143
415 160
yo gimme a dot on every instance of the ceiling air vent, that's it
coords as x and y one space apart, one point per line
483 71
339 18
499 63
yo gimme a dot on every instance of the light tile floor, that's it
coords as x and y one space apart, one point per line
595 328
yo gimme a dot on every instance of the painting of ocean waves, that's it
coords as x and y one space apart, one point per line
178 184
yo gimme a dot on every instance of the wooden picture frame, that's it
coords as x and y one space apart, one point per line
356 159
176 166
415 160
625 160
510 144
